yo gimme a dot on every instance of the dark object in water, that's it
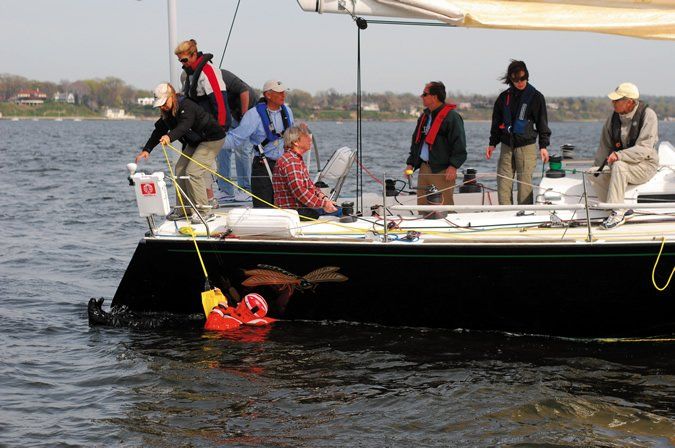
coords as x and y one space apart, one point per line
123 317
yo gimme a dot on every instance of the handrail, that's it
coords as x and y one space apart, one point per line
542 207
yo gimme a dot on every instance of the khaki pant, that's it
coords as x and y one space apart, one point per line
519 162
195 187
426 178
610 186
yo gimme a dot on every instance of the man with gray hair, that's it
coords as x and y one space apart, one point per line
293 187
628 146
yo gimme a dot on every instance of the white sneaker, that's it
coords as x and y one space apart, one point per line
241 196
614 220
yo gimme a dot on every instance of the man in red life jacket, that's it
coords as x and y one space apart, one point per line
438 146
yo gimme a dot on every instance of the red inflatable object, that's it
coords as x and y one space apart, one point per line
252 310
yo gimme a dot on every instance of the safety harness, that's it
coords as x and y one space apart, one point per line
518 125
634 131
270 132
430 138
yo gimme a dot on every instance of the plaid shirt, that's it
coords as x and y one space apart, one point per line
292 186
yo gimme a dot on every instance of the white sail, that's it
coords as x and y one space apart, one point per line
649 19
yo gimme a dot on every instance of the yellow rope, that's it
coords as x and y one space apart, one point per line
663 243
615 340
179 195
207 168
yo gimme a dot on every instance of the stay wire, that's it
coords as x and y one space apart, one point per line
229 34
359 149
179 194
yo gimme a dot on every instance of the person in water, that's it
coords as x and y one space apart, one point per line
438 145
202 137
628 147
518 119
262 127
293 188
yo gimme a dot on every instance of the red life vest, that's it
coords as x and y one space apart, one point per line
430 138
252 310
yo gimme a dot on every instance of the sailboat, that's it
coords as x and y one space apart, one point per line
544 268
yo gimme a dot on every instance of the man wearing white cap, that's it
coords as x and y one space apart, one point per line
628 146
262 127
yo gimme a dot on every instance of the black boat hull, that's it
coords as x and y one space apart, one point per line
581 290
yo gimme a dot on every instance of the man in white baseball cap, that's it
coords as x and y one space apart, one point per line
625 90
628 147
262 127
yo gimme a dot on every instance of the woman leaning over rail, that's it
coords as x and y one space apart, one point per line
202 137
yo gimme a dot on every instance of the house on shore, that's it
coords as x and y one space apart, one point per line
117 114
68 98
30 97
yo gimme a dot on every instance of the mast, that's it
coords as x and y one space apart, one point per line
173 43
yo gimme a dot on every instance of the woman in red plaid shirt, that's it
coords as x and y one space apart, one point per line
292 186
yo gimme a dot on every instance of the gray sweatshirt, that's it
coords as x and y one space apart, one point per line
645 146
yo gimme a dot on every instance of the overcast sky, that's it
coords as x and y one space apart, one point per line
78 39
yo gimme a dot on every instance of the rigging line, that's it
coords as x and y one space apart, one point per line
407 23
359 153
658 257
369 173
179 194
229 34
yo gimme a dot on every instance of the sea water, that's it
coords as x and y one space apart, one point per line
69 228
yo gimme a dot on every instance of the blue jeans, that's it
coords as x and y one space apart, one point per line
242 161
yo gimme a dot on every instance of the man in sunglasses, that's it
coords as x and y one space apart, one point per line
628 147
518 118
438 145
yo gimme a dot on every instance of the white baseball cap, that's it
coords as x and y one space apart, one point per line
625 90
162 93
274 85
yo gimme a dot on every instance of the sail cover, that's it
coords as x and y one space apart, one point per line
648 19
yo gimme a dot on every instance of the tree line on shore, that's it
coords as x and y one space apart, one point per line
92 96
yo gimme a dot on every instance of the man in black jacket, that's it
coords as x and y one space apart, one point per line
438 145
518 117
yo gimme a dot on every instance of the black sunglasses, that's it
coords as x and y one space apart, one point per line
184 60
425 94
516 79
